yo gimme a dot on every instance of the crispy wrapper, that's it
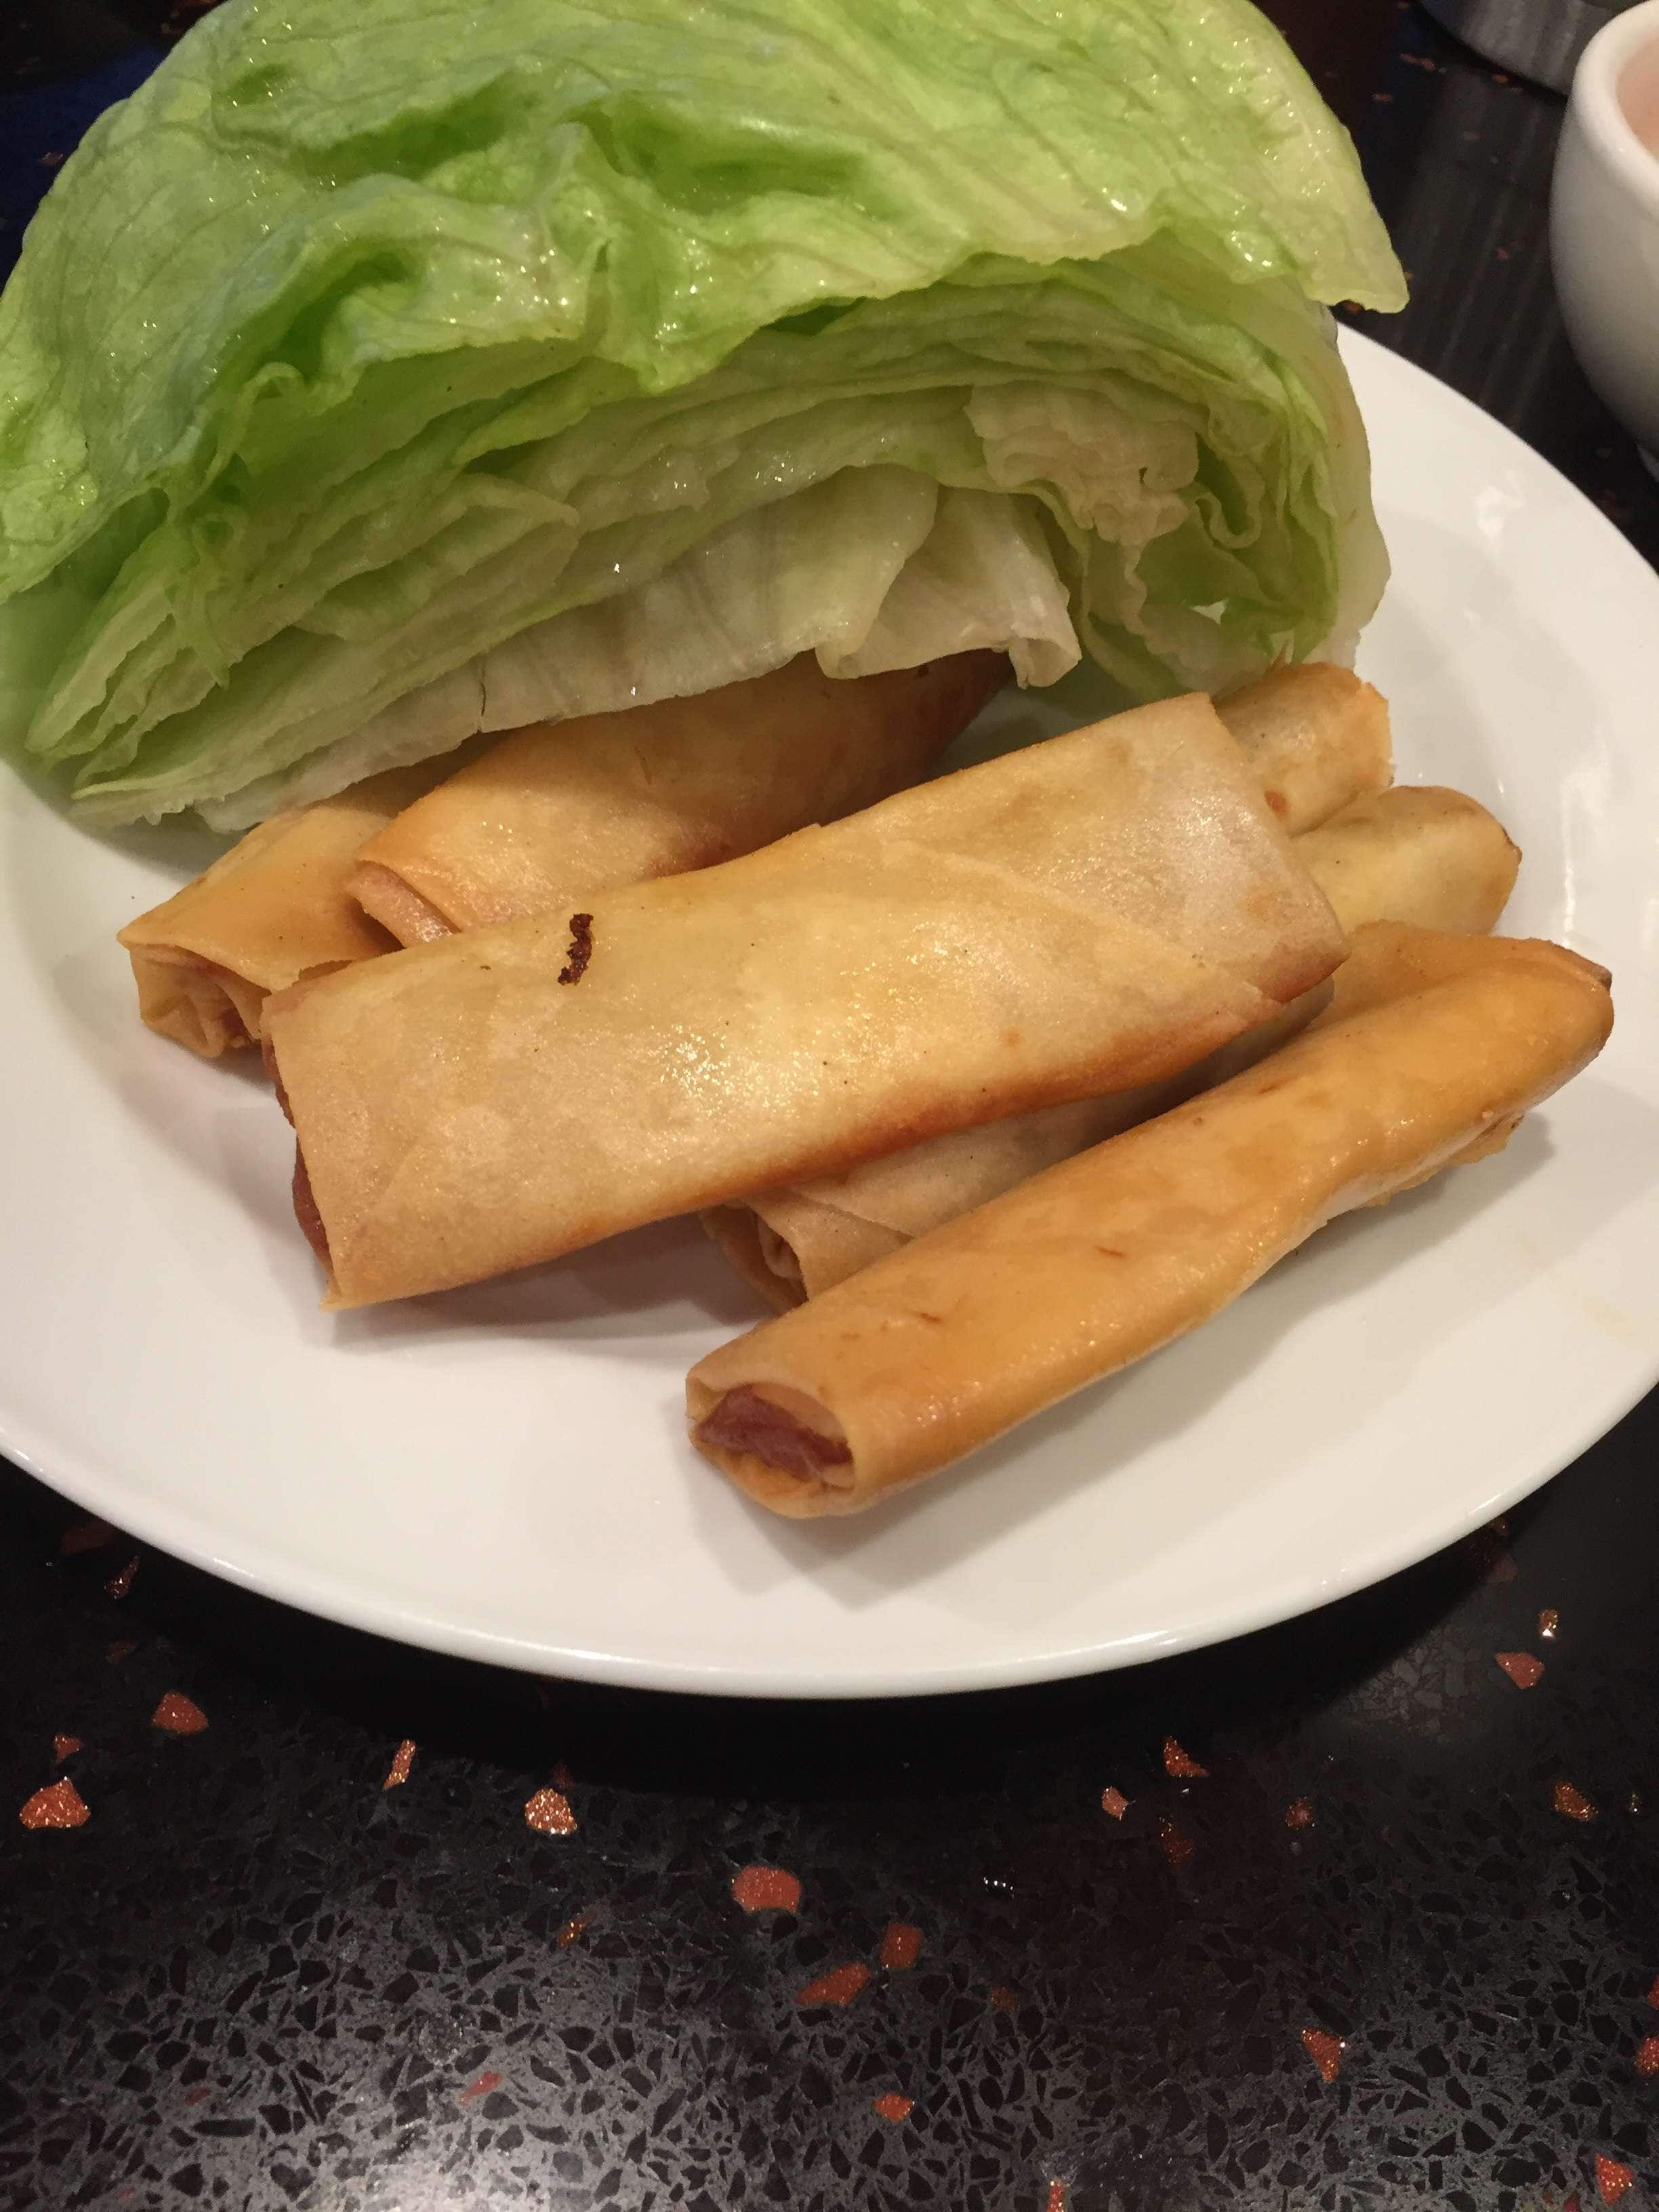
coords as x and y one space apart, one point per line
794 1244
1416 854
1317 738
274 908
559 810
1089 914
1434 1048
1429 857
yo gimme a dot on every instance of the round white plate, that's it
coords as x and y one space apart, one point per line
503 1472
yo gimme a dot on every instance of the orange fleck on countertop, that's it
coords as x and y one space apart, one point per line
1181 1764
838 1987
59 1805
901 1947
548 1811
767 1889
178 1715
1176 1843
1613 2178
1325 2051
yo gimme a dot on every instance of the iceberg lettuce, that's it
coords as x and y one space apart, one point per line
373 377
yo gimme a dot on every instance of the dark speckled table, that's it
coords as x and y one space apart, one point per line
257 1977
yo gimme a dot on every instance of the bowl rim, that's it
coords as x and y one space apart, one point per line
1597 97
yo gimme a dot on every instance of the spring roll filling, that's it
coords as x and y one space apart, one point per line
787 1430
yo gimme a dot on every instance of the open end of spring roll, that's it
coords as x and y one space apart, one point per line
1430 858
1317 738
790 1244
561 809
1431 1055
794 1244
1085 916
274 908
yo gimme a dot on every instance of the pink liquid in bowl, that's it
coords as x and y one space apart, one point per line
1638 95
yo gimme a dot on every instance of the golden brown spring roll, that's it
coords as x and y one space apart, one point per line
274 908
1415 853
1428 857
795 1243
559 810
1085 916
1435 1048
1317 738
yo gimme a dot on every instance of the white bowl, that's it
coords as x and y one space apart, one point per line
1605 221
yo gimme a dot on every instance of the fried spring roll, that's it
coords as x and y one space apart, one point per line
795 1243
560 811
1085 916
1317 738
274 908
1419 854
1429 857
1435 1048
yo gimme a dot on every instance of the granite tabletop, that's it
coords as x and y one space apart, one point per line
1362 1910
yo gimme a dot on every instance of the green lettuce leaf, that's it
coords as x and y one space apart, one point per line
375 376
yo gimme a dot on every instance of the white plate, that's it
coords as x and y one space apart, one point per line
502 1472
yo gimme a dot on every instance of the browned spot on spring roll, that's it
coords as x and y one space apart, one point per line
561 809
581 949
1432 858
1431 1055
1088 914
1317 738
